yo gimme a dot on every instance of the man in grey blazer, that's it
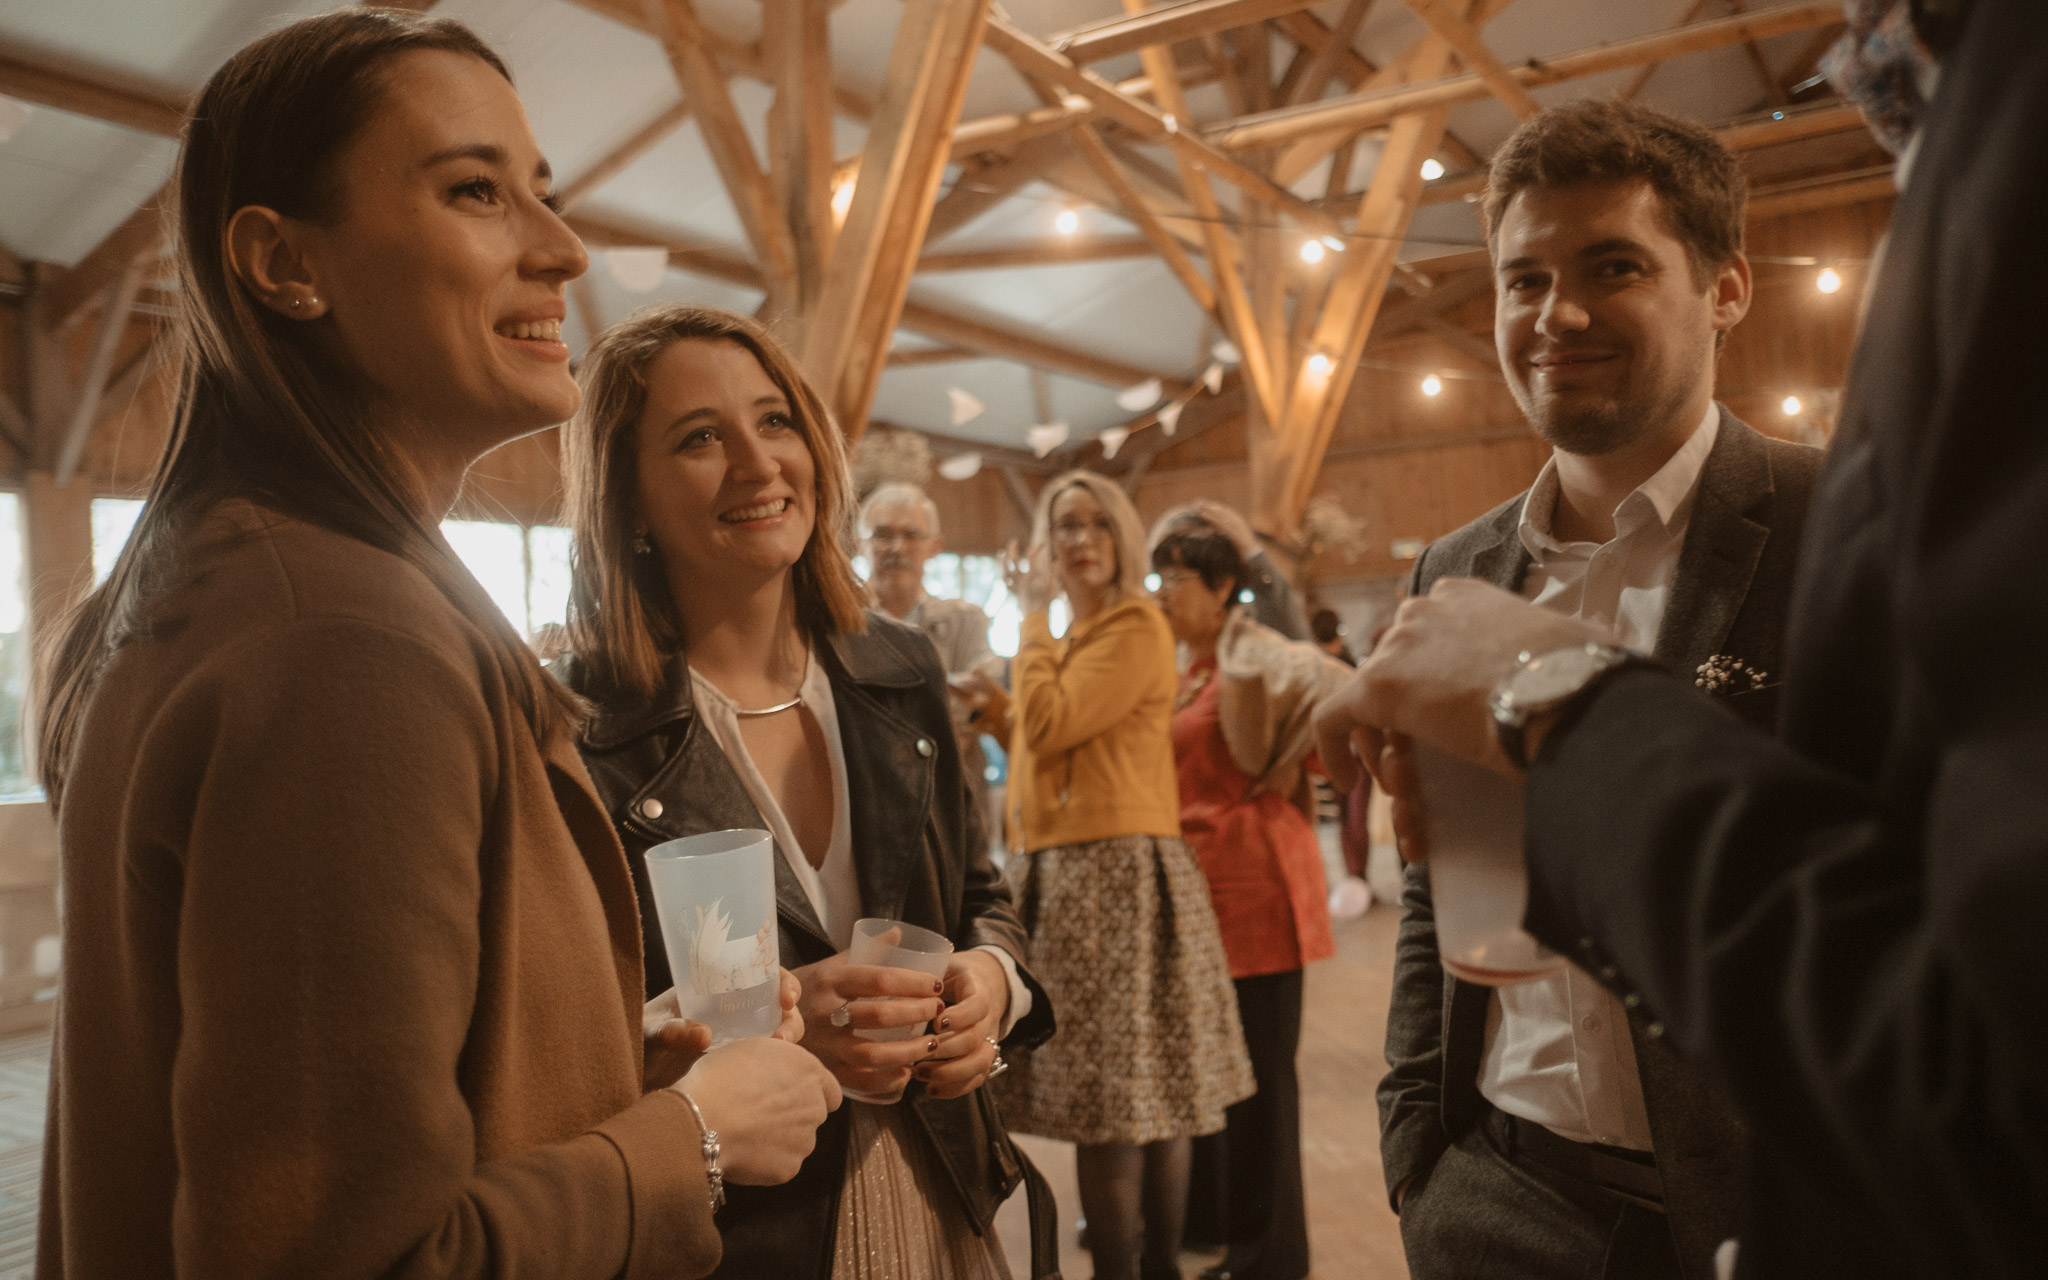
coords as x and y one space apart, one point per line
1547 1129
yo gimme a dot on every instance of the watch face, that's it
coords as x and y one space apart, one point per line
1555 676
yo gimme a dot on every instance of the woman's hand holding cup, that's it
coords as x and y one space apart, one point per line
765 1098
980 993
872 998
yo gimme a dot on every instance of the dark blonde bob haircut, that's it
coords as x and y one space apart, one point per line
1128 530
624 621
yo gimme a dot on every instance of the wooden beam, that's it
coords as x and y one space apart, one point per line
99 362
797 37
127 382
15 428
1025 348
1746 135
1165 24
1022 500
1136 208
1233 300
1796 123
1037 61
1363 110
1633 89
961 331
622 156
1006 455
846 334
1826 192
1328 53
901 359
688 46
139 236
145 113
1000 133
1047 253
1286 461
1469 345
1305 153
980 189
1773 91
1476 56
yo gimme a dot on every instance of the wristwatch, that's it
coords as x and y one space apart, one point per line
1544 682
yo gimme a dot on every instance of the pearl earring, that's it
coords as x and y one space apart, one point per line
641 546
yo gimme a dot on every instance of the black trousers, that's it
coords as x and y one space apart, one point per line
1247 1179
1482 1211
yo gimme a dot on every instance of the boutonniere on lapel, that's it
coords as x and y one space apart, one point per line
1726 674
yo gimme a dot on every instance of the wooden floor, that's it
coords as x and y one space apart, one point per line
1352 1233
24 1089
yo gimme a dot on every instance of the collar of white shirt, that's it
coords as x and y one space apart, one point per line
1665 497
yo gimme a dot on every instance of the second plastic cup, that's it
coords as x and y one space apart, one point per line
715 896
1477 878
920 949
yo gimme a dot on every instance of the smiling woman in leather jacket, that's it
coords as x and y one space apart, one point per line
719 630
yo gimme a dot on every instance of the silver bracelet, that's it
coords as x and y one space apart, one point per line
712 1173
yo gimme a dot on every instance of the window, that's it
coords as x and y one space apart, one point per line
15 782
113 519
524 570
978 580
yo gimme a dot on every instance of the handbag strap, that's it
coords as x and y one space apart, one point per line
1045 1222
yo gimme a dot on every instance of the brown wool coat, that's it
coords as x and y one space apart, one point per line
352 968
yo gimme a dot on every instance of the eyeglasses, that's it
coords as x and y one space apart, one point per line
890 533
1072 531
1169 579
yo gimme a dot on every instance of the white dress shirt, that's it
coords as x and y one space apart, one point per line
1557 1049
832 887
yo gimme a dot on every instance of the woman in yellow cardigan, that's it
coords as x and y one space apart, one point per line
1148 1052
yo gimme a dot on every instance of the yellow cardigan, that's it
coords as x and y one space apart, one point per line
1089 728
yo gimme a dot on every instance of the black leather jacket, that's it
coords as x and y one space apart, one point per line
920 854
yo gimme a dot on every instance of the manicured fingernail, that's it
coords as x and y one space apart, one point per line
938 987
945 1024
931 1046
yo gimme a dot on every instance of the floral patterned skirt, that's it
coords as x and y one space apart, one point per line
1125 943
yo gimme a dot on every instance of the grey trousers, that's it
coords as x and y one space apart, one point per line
1482 1214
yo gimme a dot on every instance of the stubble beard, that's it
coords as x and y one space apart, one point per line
1592 428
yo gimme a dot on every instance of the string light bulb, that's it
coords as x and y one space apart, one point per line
1432 385
1791 406
1828 281
1068 221
1432 169
1313 252
1320 365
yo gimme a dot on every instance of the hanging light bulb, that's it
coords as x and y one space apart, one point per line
1312 252
1320 365
1791 406
1828 281
1068 221
1432 385
1432 169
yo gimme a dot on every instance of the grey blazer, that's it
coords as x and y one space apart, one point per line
1728 599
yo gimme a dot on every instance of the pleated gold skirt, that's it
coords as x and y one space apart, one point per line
899 1219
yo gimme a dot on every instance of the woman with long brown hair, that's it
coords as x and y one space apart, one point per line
352 977
740 681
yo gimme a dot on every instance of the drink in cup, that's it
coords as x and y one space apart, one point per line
1477 878
907 947
715 896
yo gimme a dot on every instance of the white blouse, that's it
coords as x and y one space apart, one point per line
833 887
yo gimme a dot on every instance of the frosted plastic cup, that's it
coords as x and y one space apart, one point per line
715 896
1478 880
919 949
